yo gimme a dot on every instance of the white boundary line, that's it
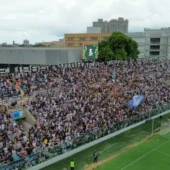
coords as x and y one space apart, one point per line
144 155
163 153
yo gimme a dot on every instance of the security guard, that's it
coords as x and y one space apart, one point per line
72 165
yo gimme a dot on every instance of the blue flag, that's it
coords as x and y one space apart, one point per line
114 73
17 115
135 102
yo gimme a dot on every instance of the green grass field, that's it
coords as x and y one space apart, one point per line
143 157
151 155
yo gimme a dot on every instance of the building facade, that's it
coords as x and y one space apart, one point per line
151 42
93 30
114 25
26 42
77 40
54 44
157 42
139 37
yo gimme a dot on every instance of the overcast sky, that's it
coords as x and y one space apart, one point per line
48 20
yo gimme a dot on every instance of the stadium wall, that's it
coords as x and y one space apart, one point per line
40 56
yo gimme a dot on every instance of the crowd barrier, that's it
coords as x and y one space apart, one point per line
41 154
37 68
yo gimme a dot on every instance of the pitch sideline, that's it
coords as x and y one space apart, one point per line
94 165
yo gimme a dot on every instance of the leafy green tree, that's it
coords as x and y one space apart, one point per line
106 53
118 47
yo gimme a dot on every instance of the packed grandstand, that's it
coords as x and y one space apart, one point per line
73 106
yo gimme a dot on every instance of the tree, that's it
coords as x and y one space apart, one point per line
106 53
118 47
39 45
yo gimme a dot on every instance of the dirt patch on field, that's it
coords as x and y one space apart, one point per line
95 165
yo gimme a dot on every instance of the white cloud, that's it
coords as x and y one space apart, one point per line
39 20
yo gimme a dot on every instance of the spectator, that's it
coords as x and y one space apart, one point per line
68 103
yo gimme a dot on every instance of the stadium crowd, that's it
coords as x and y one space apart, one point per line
67 103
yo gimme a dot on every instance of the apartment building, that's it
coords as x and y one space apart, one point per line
25 42
114 25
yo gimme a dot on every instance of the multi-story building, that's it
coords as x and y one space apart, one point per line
139 37
26 42
77 40
92 30
114 25
157 42
14 44
151 42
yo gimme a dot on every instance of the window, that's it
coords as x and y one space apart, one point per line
105 38
70 44
155 47
70 38
93 38
155 40
82 38
80 45
154 52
